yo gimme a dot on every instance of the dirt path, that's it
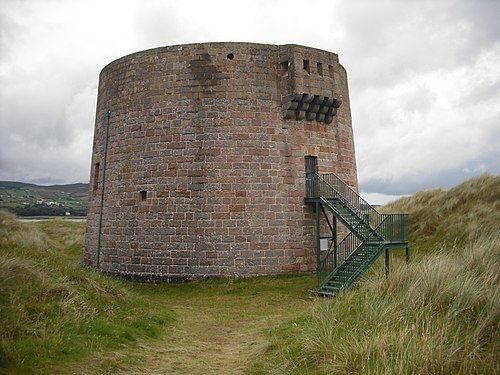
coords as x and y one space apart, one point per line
218 333
201 344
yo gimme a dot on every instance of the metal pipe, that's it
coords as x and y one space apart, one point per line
98 251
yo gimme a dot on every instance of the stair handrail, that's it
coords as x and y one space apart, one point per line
316 185
329 185
347 194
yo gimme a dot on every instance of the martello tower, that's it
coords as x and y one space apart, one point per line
199 159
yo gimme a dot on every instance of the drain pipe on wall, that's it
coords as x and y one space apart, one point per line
98 252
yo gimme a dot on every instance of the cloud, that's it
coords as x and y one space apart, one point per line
424 77
157 23
48 77
428 115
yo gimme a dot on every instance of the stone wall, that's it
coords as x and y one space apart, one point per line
204 171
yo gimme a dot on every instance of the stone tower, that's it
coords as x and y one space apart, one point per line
199 159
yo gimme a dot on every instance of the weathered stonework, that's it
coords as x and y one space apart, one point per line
204 169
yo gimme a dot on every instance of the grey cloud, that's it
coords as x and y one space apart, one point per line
9 31
483 92
482 18
410 178
410 133
157 24
389 41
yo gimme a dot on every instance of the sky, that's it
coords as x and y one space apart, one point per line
424 77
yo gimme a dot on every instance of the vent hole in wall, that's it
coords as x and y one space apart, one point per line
230 56
143 194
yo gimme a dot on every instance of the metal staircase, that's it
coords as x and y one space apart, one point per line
341 264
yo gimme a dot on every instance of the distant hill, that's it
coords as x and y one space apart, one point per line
36 200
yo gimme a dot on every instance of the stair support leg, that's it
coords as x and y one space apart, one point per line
334 230
318 237
387 263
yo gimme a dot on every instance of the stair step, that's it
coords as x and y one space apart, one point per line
339 279
323 293
360 258
331 289
334 286
342 278
352 267
365 253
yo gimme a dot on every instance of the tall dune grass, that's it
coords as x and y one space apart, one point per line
52 309
441 219
440 315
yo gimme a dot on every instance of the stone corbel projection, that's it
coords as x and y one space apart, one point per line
309 107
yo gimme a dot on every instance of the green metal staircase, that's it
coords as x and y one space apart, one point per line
342 263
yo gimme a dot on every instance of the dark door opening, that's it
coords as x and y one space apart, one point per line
311 165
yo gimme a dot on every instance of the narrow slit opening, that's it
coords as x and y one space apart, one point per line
284 67
319 68
96 176
306 66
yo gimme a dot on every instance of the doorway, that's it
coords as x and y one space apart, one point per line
311 167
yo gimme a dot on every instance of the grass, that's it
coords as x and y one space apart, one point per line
52 310
58 317
447 218
439 316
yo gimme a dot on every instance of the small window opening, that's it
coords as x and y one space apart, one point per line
230 56
319 67
330 69
143 194
96 176
306 66
284 67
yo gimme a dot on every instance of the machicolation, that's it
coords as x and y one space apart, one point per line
199 159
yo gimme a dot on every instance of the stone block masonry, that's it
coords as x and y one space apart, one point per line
203 155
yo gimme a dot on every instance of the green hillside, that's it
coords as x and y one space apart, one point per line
36 200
